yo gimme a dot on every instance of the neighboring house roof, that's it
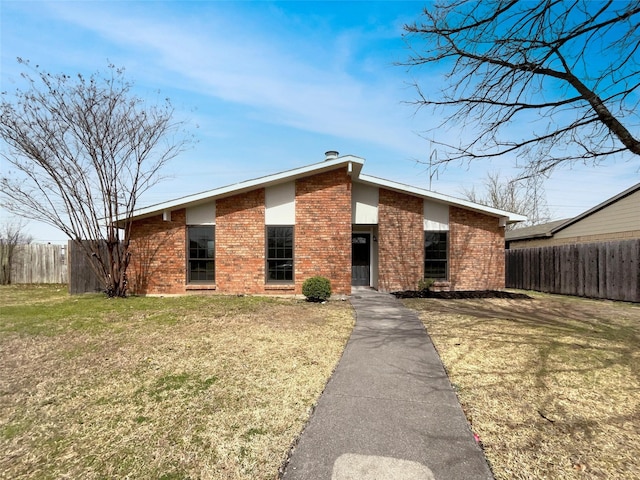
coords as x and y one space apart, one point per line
535 231
354 166
547 230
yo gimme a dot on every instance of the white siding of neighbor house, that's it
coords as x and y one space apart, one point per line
364 204
204 214
436 216
280 204
621 216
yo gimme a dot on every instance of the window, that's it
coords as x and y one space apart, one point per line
279 254
201 268
435 255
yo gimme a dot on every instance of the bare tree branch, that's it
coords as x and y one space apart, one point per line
524 196
570 69
11 237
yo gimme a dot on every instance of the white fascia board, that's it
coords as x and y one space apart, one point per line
356 164
510 217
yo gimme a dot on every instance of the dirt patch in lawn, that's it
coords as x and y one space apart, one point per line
550 384
182 387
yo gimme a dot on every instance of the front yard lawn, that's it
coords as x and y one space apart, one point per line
551 385
167 388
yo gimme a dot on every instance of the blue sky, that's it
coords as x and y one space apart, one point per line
271 86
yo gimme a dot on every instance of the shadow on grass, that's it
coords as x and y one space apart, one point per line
571 366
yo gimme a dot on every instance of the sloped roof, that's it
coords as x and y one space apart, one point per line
354 167
534 231
441 198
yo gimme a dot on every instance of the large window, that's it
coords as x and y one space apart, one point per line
279 254
435 255
201 262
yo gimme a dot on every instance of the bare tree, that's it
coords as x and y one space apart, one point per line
551 81
524 196
11 237
82 150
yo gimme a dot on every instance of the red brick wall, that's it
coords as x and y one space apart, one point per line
322 243
158 255
323 230
476 251
240 243
400 241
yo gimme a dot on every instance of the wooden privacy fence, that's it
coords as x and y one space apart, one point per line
47 263
597 270
39 263
82 277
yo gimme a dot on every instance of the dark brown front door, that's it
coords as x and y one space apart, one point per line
360 259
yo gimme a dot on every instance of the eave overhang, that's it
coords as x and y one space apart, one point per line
354 168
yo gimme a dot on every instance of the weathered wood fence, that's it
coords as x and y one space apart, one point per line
39 263
608 270
82 276
48 263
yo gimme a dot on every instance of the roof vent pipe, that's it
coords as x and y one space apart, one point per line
330 155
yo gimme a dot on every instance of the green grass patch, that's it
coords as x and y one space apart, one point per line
147 387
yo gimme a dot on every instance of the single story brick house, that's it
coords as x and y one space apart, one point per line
268 235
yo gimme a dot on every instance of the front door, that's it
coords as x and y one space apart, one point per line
360 259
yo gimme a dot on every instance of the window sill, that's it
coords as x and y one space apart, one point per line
441 285
193 287
287 287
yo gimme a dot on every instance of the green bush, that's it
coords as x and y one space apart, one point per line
425 284
316 289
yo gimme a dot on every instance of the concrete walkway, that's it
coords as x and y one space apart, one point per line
388 411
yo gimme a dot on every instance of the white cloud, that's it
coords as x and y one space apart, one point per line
278 85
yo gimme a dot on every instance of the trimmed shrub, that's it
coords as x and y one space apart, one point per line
316 289
425 284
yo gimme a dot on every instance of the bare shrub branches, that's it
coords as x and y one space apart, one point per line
82 150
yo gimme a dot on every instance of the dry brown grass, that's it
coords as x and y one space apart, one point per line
186 387
551 385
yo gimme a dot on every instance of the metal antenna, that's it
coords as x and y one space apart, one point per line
432 173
